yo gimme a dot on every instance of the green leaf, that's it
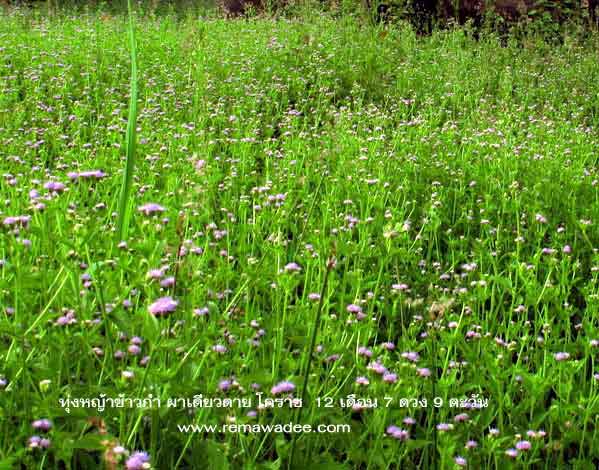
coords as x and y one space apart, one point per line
89 442
215 457
8 463
329 464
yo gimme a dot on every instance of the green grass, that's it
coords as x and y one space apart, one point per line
124 202
457 168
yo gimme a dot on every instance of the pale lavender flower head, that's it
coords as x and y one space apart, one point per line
163 306
54 186
36 442
471 444
399 287
398 433
292 268
377 368
513 453
92 174
523 445
42 425
332 358
138 461
444 427
390 378
224 385
460 461
411 356
155 273
119 450
17 220
352 308
151 208
282 387
201 312
362 380
561 356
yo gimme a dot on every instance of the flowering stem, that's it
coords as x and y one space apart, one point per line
330 266
434 384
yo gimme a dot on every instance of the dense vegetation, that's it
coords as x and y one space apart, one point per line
425 208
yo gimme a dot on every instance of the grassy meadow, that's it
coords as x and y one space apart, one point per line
399 232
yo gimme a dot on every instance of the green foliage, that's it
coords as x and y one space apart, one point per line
455 180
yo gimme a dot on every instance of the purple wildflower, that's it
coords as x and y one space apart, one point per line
42 425
224 385
352 308
444 427
151 209
292 268
471 444
398 433
561 356
282 387
377 368
364 351
523 445
201 312
399 287
36 442
163 306
17 220
138 461
411 356
54 186
389 378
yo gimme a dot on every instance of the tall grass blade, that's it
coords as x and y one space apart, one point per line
124 202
